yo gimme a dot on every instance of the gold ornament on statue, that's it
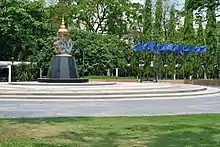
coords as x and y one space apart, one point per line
62 45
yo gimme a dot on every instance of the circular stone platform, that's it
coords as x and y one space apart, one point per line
62 84
60 80
101 90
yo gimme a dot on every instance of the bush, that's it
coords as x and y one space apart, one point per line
25 72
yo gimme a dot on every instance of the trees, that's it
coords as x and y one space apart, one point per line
101 52
195 4
22 26
105 17
211 39
200 40
171 37
106 29
188 31
147 21
158 30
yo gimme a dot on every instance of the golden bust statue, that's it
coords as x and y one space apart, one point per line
62 35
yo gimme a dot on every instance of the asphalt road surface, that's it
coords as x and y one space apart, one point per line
60 108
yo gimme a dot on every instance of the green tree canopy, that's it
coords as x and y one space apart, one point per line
158 29
101 52
147 24
200 40
172 26
22 27
188 31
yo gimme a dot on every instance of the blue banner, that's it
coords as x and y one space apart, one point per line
149 46
138 47
166 48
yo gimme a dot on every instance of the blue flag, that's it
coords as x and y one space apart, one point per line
157 49
187 49
177 50
203 49
149 46
170 47
198 49
138 47
163 48
192 49
181 48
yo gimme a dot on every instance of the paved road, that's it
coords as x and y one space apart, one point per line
15 109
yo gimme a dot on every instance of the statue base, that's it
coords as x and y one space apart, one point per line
56 80
63 69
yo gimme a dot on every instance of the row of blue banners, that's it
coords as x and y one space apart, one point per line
151 46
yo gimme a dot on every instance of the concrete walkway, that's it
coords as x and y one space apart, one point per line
41 108
127 106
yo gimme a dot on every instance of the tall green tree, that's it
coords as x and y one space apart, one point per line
201 4
158 29
166 16
147 21
172 37
218 33
200 40
211 39
23 26
188 32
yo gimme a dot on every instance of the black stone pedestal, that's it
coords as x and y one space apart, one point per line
63 69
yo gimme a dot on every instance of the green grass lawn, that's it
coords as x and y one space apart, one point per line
163 131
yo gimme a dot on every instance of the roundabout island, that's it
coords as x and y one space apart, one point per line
63 67
63 93
33 99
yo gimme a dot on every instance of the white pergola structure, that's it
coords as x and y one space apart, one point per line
8 64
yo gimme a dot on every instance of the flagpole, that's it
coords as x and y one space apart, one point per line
199 60
184 66
140 62
178 70
173 67
83 61
194 67
165 63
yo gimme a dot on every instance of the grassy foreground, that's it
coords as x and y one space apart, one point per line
164 131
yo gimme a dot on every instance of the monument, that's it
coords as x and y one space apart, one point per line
63 67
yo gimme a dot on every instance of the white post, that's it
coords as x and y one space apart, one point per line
174 77
116 72
41 72
205 77
108 73
9 73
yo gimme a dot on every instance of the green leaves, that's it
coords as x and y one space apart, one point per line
158 30
172 37
21 25
101 52
200 33
188 31
147 24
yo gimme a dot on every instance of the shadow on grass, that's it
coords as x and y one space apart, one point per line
90 138
181 135
178 135
157 135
